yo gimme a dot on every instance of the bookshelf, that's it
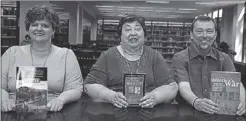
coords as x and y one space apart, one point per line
107 30
9 23
61 36
148 26
169 37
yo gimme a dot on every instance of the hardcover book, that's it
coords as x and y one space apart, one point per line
225 91
31 89
134 88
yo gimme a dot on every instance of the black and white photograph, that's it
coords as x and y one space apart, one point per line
123 60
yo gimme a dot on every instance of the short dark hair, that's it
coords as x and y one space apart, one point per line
131 18
42 13
204 18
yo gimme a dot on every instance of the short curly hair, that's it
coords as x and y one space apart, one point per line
42 13
131 18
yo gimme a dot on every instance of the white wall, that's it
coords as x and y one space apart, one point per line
227 25
238 22
81 14
94 29
232 28
72 9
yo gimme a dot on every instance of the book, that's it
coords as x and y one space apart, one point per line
225 91
134 88
31 89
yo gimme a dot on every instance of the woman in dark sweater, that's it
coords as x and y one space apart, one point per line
105 80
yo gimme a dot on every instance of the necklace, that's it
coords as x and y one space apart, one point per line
131 70
134 53
138 62
41 51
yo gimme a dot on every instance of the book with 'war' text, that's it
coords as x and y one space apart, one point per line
225 91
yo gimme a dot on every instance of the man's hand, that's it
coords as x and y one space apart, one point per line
241 107
119 100
206 105
55 104
7 105
148 101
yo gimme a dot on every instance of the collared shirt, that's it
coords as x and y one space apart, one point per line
190 66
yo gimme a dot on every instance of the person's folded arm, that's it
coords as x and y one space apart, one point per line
97 80
186 92
99 93
6 60
167 88
73 85
182 78
166 93
242 92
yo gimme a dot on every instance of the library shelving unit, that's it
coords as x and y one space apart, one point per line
107 30
164 36
148 26
107 35
61 36
9 24
169 37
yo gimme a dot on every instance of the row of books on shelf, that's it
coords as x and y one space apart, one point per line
8 22
160 43
93 58
153 38
8 33
8 10
167 51
7 42
178 30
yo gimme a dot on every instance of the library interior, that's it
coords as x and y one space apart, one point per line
90 27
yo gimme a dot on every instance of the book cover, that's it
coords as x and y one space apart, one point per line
134 88
225 91
31 89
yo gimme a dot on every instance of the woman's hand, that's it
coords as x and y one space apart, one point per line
206 105
148 101
119 100
55 104
7 105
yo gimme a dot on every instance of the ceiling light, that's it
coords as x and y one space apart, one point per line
172 16
162 11
219 2
104 6
126 7
182 12
144 10
163 2
188 9
166 9
145 7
